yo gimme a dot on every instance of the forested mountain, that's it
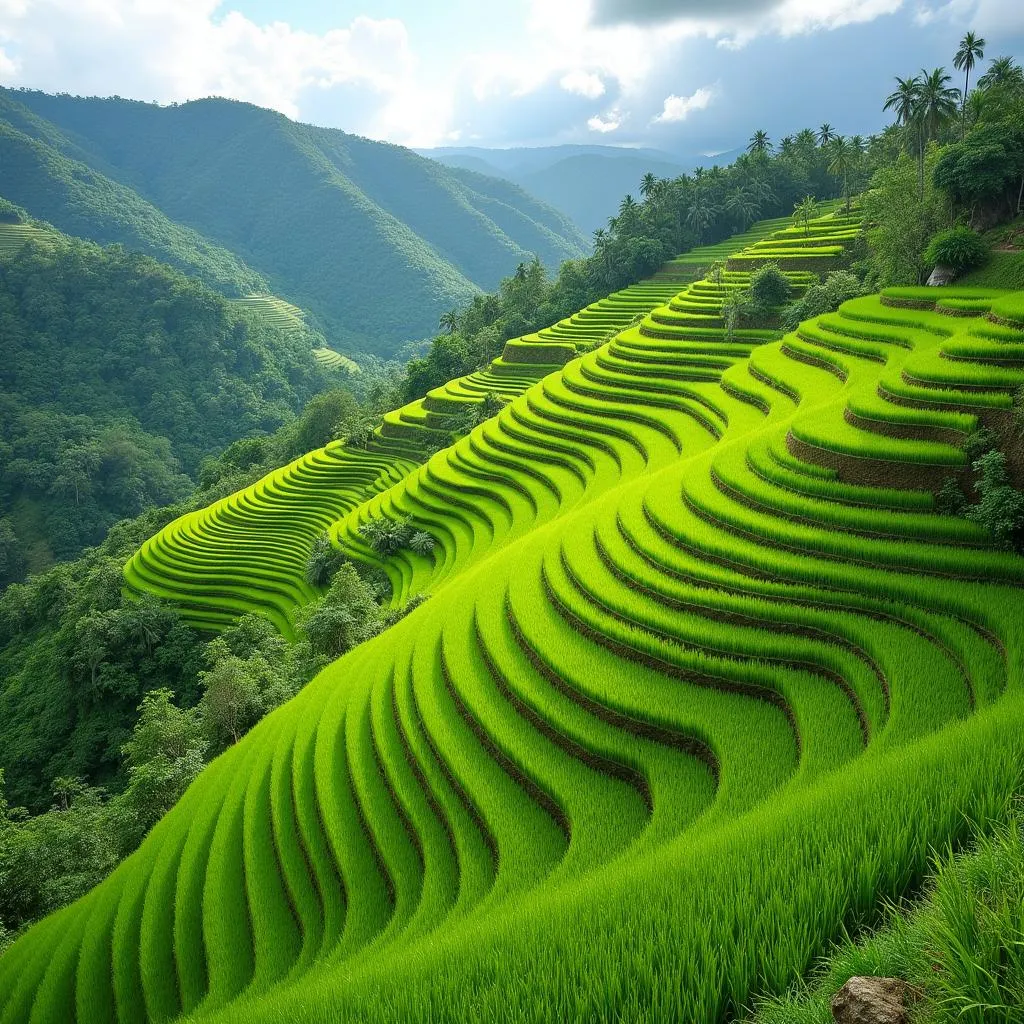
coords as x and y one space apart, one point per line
249 200
119 374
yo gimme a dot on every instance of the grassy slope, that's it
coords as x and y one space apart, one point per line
958 945
330 220
702 676
1003 270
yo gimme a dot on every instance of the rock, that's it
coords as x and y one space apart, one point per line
941 275
872 1001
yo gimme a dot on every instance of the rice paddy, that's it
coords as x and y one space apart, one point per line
274 309
704 675
331 360
14 236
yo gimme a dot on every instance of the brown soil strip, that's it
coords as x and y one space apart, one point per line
869 472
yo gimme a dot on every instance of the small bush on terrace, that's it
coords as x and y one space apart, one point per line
345 616
323 562
959 249
388 536
827 297
1000 508
769 287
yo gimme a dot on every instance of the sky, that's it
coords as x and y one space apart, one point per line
685 76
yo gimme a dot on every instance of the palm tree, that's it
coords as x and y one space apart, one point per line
762 192
759 142
904 99
787 146
700 215
449 322
805 211
1002 71
648 185
744 205
825 134
971 49
842 156
938 101
601 246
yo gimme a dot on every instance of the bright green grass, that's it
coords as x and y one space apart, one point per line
1003 270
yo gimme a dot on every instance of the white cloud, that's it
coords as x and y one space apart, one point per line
176 50
582 83
734 23
609 123
1006 16
678 108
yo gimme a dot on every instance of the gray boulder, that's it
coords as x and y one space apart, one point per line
941 275
872 1001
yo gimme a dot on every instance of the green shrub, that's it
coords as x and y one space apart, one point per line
421 543
826 297
735 309
323 562
979 443
958 248
769 287
387 536
1000 508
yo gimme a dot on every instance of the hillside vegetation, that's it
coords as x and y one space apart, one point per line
119 376
253 202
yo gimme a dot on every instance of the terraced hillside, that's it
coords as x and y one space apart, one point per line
704 674
14 236
278 311
332 360
247 552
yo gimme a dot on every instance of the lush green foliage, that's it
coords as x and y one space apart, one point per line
76 658
699 626
957 248
119 375
825 297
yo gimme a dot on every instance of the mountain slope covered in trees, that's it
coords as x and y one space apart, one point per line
120 374
247 198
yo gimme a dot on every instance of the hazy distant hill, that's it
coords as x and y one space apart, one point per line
584 182
374 240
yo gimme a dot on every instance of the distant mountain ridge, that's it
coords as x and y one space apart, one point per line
372 239
586 183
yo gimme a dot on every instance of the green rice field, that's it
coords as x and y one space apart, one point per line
703 678
331 360
14 236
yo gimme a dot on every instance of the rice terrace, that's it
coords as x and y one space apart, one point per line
644 645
